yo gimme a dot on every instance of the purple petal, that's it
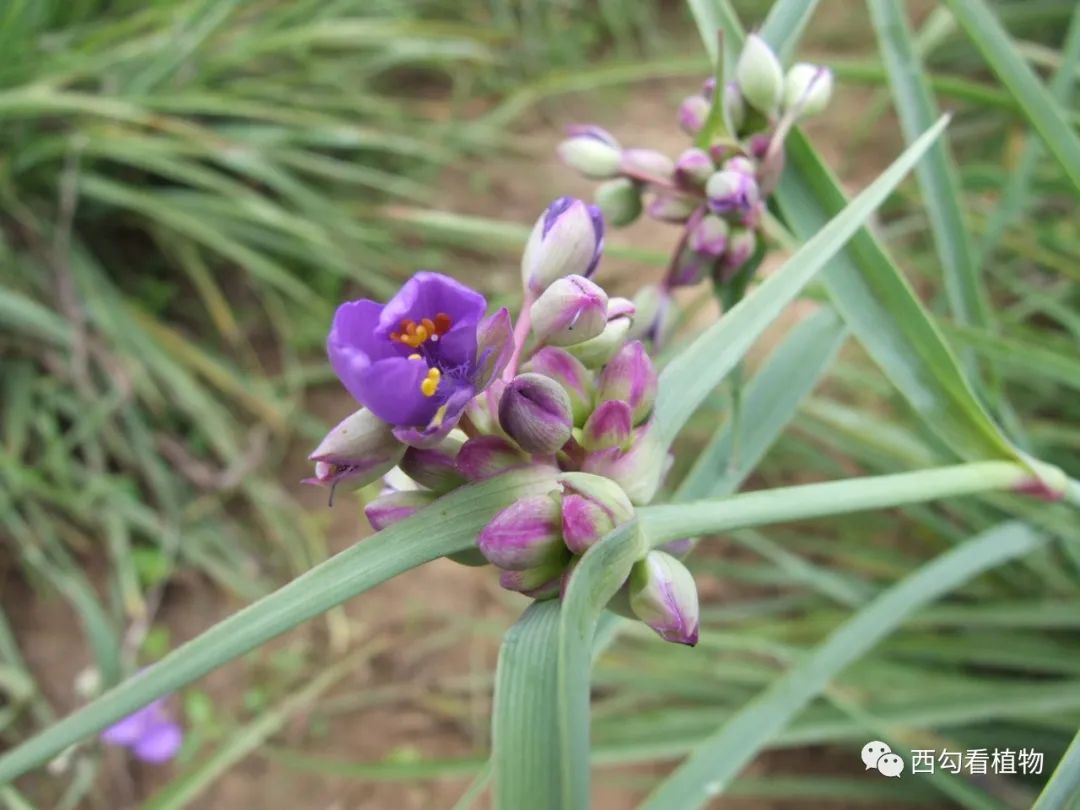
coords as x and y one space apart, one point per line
160 744
129 730
441 423
494 345
352 345
390 389
427 294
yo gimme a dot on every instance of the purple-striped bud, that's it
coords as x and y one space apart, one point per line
619 200
571 310
709 236
592 151
760 76
807 89
535 412
391 507
732 193
638 470
570 373
568 239
741 246
671 207
619 307
360 449
693 112
600 349
647 164
592 507
526 534
483 457
630 377
663 595
538 583
434 467
693 168
610 425
689 268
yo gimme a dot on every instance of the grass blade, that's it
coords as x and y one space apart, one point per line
715 762
1063 787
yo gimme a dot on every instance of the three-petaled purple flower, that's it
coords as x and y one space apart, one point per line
418 360
151 733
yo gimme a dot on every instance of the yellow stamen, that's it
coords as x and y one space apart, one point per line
415 357
430 383
413 334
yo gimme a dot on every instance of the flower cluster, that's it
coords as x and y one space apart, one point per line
451 396
717 189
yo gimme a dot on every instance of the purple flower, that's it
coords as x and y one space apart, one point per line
418 360
151 734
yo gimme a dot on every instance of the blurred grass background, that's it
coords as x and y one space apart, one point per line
187 189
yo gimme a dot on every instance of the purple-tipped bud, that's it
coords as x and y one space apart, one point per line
600 349
568 239
759 144
735 105
630 377
760 76
693 112
592 507
434 467
647 164
619 200
570 373
610 425
693 168
392 507
689 268
741 164
620 308
741 246
571 310
708 87
592 151
359 450
709 236
485 456
807 89
671 207
732 193
535 412
526 534
679 549
639 469
663 595
539 583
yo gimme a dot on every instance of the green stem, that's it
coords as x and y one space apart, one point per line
671 522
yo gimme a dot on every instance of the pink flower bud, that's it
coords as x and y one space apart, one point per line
526 534
671 207
709 236
360 449
568 371
639 469
610 425
630 377
693 168
535 412
663 595
392 507
568 239
647 164
434 467
539 583
571 310
693 112
485 456
592 507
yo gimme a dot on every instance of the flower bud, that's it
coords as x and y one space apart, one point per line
567 240
741 246
735 105
359 450
610 425
731 192
391 507
434 467
485 456
680 548
709 237
571 310
619 307
639 469
591 151
619 200
567 371
693 168
542 582
592 507
807 88
741 164
526 534
482 411
663 595
597 351
535 413
630 377
647 164
671 207
693 112
760 77
648 300
689 267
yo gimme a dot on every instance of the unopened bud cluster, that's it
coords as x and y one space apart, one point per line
717 189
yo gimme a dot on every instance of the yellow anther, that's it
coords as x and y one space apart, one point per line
415 357
430 383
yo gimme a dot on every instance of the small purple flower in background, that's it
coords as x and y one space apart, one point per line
418 360
150 733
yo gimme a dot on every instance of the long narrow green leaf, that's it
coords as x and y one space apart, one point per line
714 763
1063 787
941 193
691 376
445 527
524 723
1045 114
785 24
770 401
